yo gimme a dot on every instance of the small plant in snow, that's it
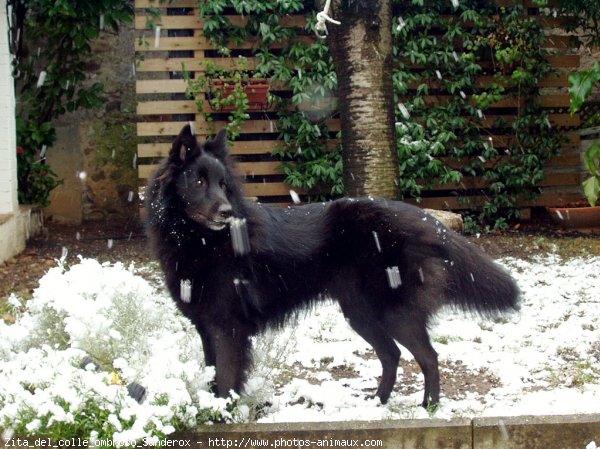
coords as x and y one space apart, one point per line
134 333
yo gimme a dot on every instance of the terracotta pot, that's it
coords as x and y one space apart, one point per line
257 90
576 217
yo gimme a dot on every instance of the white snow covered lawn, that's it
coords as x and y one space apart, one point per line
543 360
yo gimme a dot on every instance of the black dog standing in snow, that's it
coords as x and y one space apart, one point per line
235 268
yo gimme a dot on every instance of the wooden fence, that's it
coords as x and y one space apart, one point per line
164 109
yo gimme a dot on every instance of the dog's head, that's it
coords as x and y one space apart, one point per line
202 179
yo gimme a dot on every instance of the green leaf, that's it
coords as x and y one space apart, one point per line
591 188
591 158
581 84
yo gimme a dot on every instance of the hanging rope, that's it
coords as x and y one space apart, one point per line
322 19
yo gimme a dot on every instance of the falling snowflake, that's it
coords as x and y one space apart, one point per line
157 37
393 275
404 111
239 236
185 290
377 244
295 197
41 78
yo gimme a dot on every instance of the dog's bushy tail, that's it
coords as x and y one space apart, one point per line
477 283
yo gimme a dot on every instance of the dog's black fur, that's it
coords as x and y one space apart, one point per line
301 255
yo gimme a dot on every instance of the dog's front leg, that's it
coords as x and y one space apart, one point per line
208 346
232 351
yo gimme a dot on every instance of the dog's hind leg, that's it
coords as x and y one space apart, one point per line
410 331
361 318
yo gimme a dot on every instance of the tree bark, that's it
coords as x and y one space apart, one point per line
361 48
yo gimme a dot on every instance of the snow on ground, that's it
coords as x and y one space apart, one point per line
543 360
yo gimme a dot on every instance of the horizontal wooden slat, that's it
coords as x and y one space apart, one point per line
191 64
561 79
160 86
261 147
189 106
268 168
477 182
467 183
560 160
188 22
507 141
167 107
238 148
557 61
193 21
250 127
548 101
259 168
564 160
145 171
566 120
270 126
544 199
165 4
269 189
199 65
526 3
180 85
199 42
192 3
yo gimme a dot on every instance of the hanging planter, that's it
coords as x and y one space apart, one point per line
255 89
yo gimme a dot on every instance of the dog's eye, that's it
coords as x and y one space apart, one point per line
200 182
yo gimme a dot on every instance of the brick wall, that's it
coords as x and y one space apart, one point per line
8 159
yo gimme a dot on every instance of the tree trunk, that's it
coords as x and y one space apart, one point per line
361 48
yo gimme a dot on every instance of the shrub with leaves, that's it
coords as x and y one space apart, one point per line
581 85
51 44
133 332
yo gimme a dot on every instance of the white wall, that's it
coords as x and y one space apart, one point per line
8 156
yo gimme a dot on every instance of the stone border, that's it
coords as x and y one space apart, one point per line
17 228
522 432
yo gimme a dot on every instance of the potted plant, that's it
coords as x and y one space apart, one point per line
234 90
256 91
586 215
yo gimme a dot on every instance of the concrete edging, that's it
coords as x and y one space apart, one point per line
522 432
17 228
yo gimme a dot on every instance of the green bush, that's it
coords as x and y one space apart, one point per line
51 75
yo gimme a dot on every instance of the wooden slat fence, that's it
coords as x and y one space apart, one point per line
164 109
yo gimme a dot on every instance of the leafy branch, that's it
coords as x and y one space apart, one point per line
51 45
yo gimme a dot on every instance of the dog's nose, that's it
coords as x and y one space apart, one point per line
225 212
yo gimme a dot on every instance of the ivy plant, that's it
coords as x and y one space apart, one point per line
581 85
51 45
443 132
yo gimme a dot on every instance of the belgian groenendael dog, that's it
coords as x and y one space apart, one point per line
390 265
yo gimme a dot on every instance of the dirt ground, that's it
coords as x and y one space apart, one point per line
107 242
125 242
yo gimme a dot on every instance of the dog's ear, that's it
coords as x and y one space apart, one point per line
217 146
185 147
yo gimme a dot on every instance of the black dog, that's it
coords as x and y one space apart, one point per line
235 268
